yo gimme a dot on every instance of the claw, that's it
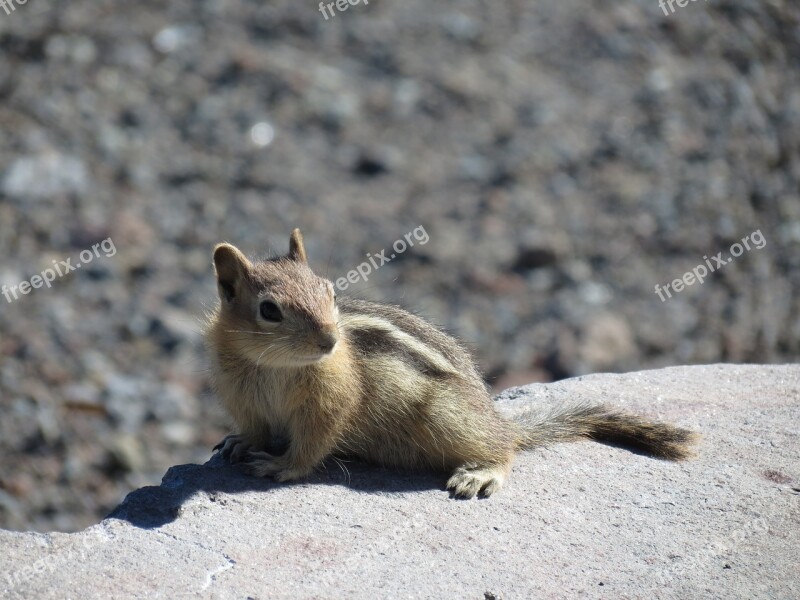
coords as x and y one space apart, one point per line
232 447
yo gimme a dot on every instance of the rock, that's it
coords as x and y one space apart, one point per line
540 249
608 340
462 27
534 258
126 453
179 432
45 175
580 519
175 37
124 400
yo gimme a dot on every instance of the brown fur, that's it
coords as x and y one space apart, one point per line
371 381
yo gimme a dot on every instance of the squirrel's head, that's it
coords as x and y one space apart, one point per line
275 312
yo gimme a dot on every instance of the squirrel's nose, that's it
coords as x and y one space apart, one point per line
327 341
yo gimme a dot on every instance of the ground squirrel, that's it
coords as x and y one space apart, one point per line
306 375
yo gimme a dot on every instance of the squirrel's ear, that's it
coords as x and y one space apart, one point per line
230 265
296 250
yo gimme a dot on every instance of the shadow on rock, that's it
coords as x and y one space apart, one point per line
153 506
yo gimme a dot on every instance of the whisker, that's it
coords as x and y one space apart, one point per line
253 332
344 469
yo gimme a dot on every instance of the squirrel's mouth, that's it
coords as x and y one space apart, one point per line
304 356
295 361
311 358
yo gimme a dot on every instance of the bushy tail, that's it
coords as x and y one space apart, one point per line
605 424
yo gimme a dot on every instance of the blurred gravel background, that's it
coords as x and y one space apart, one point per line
564 158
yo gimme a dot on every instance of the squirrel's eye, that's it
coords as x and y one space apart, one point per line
270 312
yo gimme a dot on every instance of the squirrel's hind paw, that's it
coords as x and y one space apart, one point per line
466 482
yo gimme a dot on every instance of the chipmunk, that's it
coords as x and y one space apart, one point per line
306 375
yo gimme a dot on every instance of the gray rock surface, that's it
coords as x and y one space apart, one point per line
580 519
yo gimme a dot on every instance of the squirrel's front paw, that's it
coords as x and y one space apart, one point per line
264 464
233 447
